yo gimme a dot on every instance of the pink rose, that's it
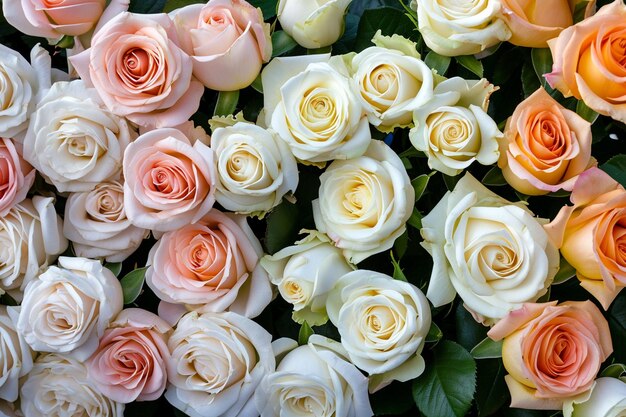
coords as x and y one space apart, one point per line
214 263
552 352
16 176
139 70
170 181
227 40
130 363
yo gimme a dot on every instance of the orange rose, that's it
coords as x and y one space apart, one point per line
590 61
545 146
592 234
552 352
531 25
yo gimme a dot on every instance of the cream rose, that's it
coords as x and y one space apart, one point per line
466 27
16 359
392 81
312 107
73 140
383 325
305 273
313 23
227 41
58 386
255 168
31 238
67 309
217 361
364 202
454 129
492 252
606 398
16 176
314 379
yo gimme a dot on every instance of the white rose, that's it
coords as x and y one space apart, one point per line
312 107
313 23
73 140
492 252
16 359
453 27
305 273
30 239
454 129
392 81
255 168
217 361
364 202
607 398
67 309
96 223
383 325
314 379
58 386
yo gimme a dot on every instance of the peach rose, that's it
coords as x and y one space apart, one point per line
592 234
534 22
589 61
227 41
552 352
545 146
139 70
170 181
130 363
16 176
212 265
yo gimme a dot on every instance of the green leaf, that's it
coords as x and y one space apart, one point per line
268 7
397 271
132 284
585 112
579 11
434 333
282 227
171 5
438 62
494 177
65 42
616 168
451 181
146 6
387 19
401 244
115 267
419 185
395 399
491 390
471 63
468 331
257 84
282 43
487 349
415 220
542 63
7 300
617 324
566 271
226 103
615 370
305 332
447 386
530 83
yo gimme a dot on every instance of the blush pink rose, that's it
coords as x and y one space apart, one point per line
212 265
227 41
16 176
552 352
130 363
139 70
170 181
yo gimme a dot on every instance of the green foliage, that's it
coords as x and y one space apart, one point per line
147 6
268 7
305 332
115 267
616 168
491 390
494 177
226 103
471 63
487 349
282 43
566 271
132 284
282 227
438 62
386 19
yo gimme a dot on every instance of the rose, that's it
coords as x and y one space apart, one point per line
130 363
73 140
97 225
383 325
67 309
313 379
529 23
552 352
217 362
227 41
392 81
170 181
212 265
454 129
587 60
16 359
255 168
312 107
305 273
364 202
313 23
58 386
590 234
453 28
545 146
16 176
607 398
139 70
30 239
492 252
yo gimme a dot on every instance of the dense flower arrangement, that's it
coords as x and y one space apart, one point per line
326 208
